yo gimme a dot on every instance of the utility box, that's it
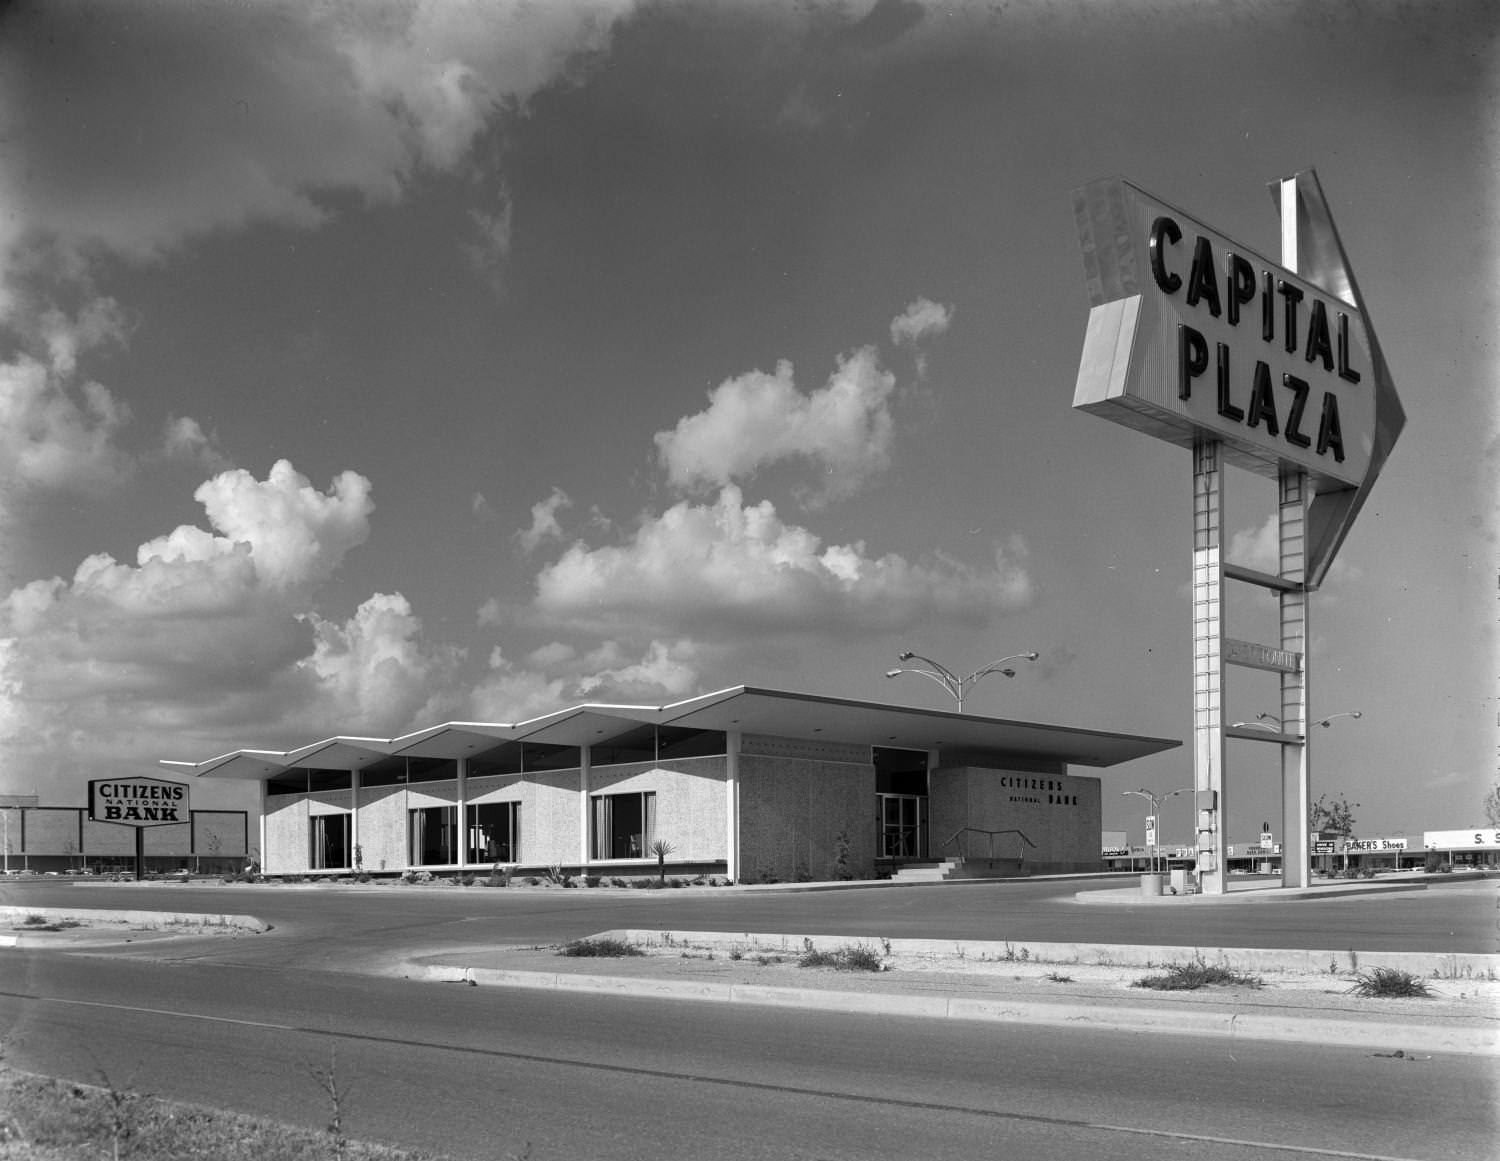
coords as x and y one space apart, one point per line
1184 882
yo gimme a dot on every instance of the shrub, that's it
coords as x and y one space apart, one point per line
532 881
1189 977
494 880
845 959
603 946
592 880
838 866
1389 983
618 882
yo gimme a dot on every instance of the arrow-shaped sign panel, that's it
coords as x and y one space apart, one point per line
1192 335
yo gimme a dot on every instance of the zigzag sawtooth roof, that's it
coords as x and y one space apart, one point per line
779 713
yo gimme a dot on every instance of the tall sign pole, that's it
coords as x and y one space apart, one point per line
1265 366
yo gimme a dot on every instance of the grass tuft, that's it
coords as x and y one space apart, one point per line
1189 977
607 946
1389 983
844 959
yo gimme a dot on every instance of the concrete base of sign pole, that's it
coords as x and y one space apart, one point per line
1151 883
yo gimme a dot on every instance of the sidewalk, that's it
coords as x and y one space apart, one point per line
1058 984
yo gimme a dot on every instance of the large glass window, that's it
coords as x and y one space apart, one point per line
624 825
306 779
494 832
650 743
434 841
329 841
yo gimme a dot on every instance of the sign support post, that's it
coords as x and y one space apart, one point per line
1208 663
1296 785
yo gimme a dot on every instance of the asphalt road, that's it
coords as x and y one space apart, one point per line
487 1073
323 927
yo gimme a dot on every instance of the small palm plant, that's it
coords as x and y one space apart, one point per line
661 848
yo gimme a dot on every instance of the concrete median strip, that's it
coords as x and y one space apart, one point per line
1446 1035
107 926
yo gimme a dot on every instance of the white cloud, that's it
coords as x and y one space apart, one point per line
727 570
490 247
374 672
544 525
208 634
844 429
55 434
1258 548
295 534
185 439
922 319
132 127
557 675
56 431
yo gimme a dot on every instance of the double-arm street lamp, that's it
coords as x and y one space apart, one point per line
1273 723
958 687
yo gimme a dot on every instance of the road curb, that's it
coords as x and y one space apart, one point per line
1364 1034
1439 965
186 921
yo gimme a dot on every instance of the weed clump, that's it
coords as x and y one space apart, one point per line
1389 983
606 946
1189 977
844 959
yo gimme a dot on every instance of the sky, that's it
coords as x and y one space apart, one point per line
365 366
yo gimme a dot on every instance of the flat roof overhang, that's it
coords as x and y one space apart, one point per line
780 713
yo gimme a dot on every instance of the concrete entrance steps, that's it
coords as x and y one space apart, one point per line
926 872
957 868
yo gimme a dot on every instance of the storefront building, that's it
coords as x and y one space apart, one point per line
63 840
748 784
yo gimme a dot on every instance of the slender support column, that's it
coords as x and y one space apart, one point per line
1208 666
461 823
732 806
261 854
356 854
585 765
1296 784
1292 498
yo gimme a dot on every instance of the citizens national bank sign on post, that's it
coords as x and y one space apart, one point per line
138 801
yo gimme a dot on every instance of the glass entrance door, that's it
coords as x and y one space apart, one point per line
903 826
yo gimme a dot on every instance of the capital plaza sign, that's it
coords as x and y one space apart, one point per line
1271 367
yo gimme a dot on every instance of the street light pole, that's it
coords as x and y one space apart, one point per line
1155 821
957 687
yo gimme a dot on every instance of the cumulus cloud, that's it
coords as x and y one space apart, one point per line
544 525
375 671
292 534
844 428
209 631
557 675
54 433
55 430
922 319
728 568
185 439
181 119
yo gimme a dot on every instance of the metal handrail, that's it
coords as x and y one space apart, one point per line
988 833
